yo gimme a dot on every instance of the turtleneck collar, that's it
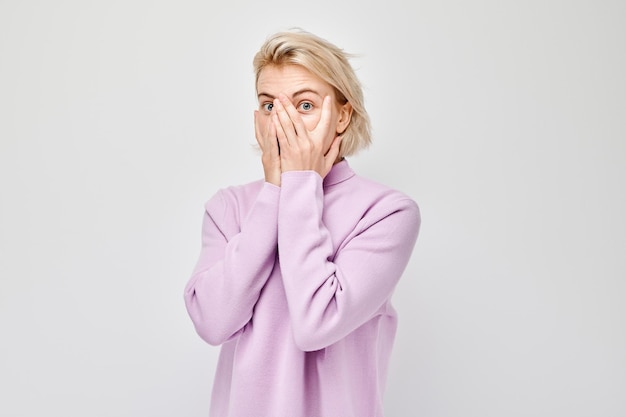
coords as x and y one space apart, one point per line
340 172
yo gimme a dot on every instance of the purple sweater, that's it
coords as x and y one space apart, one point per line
295 283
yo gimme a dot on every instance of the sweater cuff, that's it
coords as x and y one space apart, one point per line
296 177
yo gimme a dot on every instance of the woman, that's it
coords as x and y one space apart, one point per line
297 270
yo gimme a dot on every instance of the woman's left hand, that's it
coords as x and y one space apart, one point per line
302 149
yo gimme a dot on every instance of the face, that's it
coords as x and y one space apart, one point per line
306 92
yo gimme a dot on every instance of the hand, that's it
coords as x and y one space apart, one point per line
266 138
302 149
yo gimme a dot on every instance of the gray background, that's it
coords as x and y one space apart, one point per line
505 120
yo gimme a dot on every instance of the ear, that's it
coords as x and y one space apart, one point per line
345 114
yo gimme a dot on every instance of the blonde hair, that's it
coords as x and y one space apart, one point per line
329 63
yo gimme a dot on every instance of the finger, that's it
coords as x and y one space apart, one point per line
283 140
333 152
285 122
266 135
294 115
272 140
324 123
262 133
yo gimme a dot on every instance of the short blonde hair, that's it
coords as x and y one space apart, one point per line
329 63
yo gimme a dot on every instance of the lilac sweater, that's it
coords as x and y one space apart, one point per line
295 283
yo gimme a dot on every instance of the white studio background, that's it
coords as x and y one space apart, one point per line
505 120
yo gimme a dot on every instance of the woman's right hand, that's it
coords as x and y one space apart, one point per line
268 142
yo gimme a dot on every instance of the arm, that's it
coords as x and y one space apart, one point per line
234 264
329 298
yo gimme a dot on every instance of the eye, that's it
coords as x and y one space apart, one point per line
267 107
306 106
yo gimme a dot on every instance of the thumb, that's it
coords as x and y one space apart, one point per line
333 152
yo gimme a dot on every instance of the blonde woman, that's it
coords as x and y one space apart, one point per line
296 271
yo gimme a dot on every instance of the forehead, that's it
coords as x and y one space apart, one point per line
288 79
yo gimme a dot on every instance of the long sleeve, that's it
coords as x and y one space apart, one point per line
332 291
236 259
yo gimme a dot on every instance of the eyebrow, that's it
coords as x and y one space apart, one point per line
297 93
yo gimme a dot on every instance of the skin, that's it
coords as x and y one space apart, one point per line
299 115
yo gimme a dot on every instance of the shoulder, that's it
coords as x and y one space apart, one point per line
380 195
369 202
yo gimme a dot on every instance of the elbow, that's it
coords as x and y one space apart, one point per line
210 335
307 342
309 337
316 327
207 327
210 331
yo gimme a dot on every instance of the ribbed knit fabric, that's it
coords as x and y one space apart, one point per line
295 284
